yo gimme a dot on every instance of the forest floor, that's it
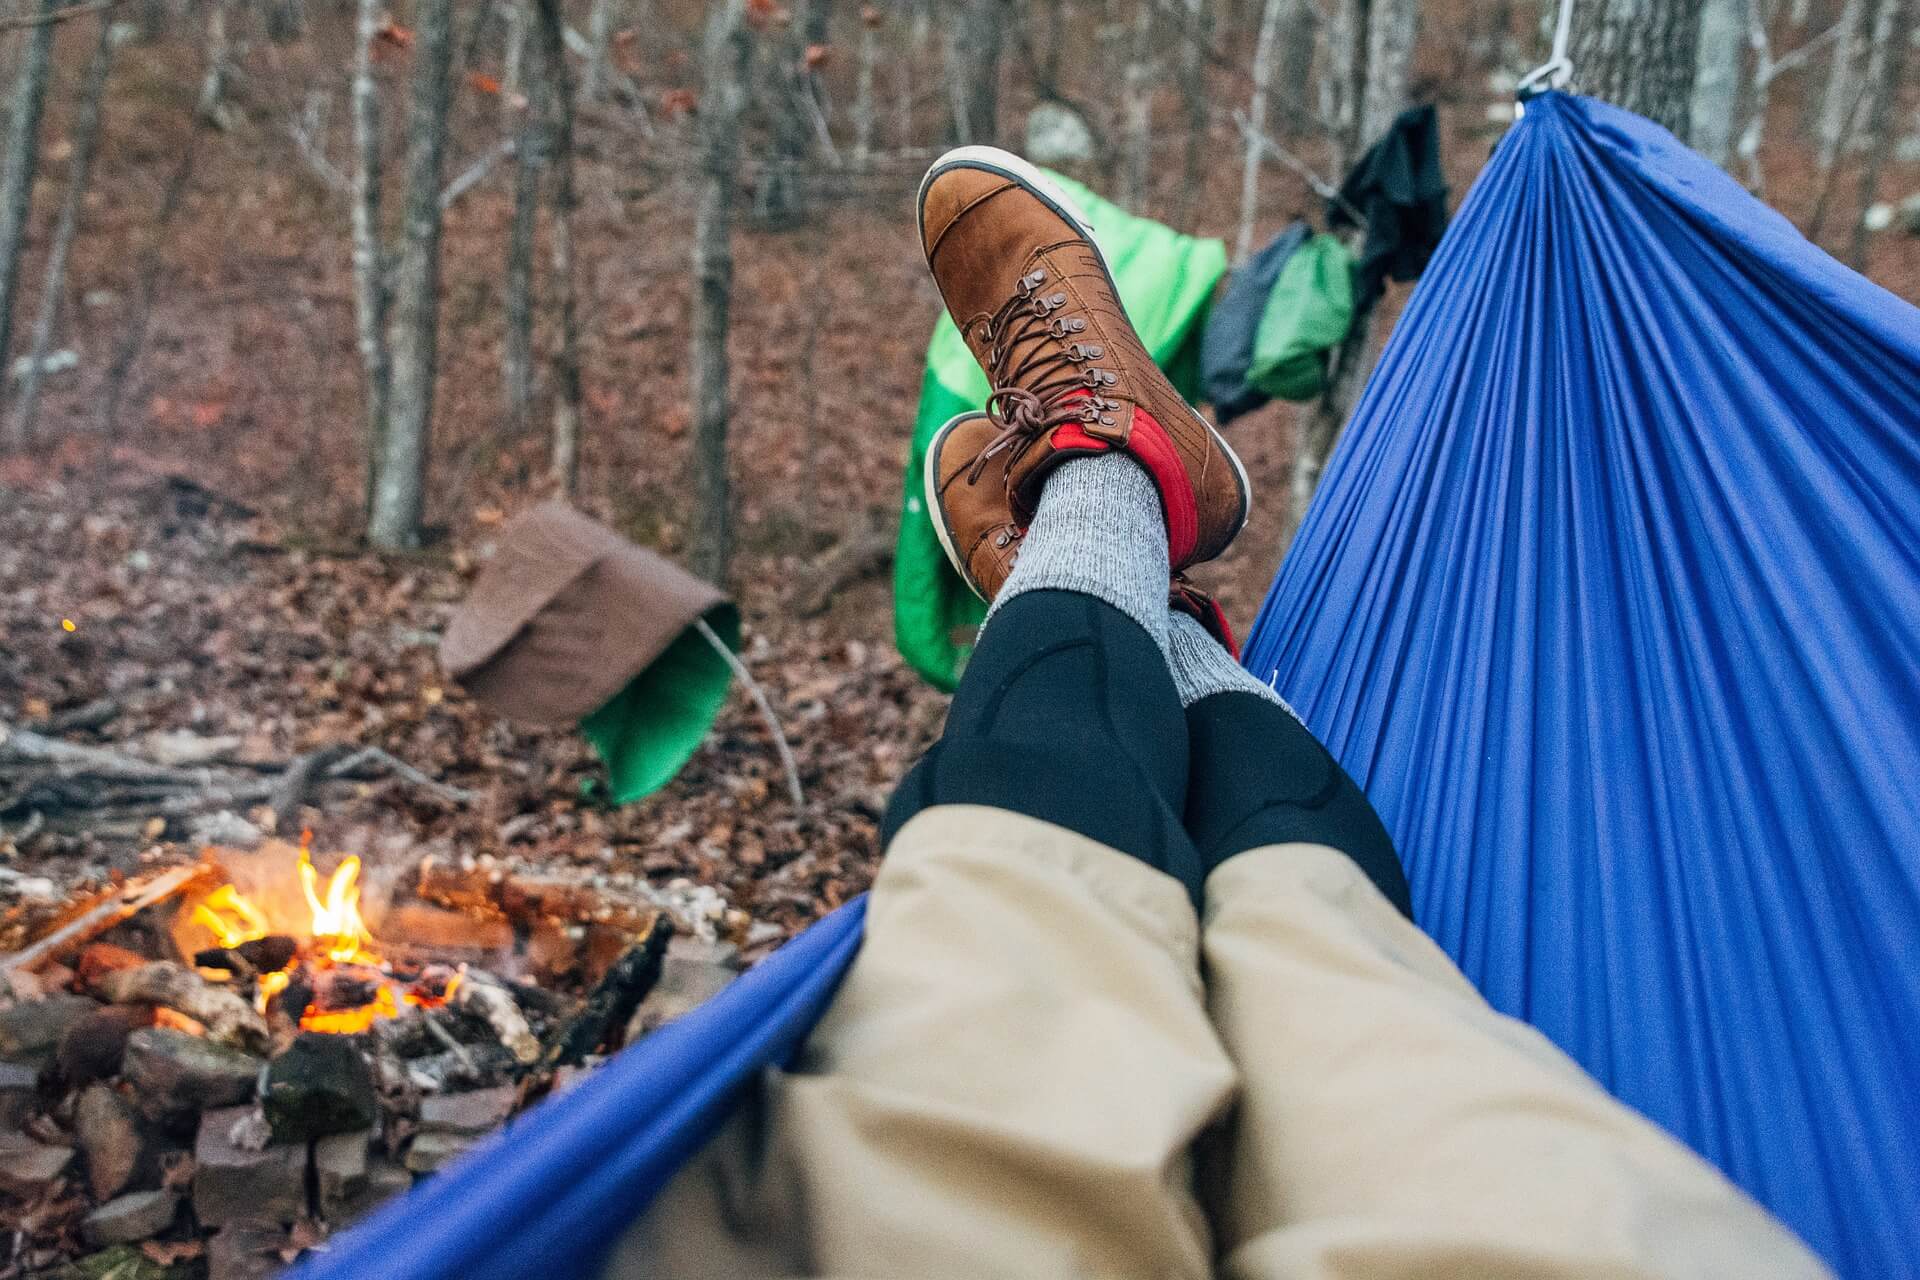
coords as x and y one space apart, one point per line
206 554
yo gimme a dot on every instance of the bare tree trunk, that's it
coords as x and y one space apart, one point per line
23 162
516 352
593 85
863 108
286 20
557 95
1842 90
213 84
513 56
727 56
1192 43
1639 54
399 485
369 259
973 69
1385 32
776 195
86 137
1391 27
1716 80
1263 47
1892 33
1136 144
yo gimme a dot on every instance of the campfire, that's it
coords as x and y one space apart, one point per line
323 971
228 1061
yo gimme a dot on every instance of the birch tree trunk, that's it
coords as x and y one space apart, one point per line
516 352
1716 80
593 85
728 50
557 95
1639 54
1892 33
1263 47
1391 27
86 138
369 259
213 85
513 56
22 163
413 323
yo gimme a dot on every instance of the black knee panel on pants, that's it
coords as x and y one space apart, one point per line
1260 778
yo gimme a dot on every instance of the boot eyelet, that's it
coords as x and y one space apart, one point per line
1080 326
1106 419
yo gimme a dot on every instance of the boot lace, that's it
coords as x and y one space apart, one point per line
1042 376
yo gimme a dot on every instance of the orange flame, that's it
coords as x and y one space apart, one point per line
347 1021
248 922
336 920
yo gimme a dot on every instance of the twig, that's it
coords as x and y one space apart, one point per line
609 1007
766 709
1321 187
438 1032
476 173
308 131
131 899
366 756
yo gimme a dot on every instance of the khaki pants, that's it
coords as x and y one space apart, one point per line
1042 1064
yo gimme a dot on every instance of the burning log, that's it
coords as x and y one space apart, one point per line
251 958
229 1019
481 996
612 1002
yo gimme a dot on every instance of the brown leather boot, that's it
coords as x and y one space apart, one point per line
971 517
1184 597
1026 284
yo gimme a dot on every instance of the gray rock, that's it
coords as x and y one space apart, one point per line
340 1169
26 1166
173 1071
429 1151
469 1114
94 1047
110 1141
30 1032
130 1218
320 1085
233 1184
384 1180
19 1093
245 1253
1057 135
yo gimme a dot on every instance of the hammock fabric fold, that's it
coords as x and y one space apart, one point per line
1610 599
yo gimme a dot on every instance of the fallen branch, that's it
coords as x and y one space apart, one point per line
866 551
476 173
477 994
131 898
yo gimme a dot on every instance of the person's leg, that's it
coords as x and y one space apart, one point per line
1390 1123
1258 777
1012 1077
1067 711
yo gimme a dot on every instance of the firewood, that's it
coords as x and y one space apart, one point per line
612 1002
498 1009
229 1019
130 898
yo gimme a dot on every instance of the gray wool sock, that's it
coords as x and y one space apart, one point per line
1202 667
1099 531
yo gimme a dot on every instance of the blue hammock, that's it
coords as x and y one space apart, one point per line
1611 598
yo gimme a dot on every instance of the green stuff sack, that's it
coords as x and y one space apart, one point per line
1166 282
1306 317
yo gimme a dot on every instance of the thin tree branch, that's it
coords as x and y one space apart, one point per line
759 696
476 173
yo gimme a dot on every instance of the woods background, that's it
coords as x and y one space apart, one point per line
299 299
